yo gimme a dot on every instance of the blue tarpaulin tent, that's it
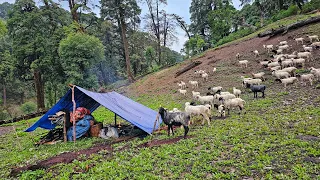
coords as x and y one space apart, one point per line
137 114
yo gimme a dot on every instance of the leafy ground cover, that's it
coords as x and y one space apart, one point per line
277 138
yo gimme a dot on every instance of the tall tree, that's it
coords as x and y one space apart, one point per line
121 11
4 9
182 24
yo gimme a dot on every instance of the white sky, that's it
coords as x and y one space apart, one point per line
179 7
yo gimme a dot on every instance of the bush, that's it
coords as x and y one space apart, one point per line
292 10
3 115
233 36
310 6
28 107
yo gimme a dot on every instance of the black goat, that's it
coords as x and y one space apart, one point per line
257 88
175 119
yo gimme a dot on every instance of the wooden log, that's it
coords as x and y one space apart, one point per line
187 68
283 30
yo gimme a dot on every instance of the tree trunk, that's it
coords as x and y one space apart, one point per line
39 90
4 95
158 34
281 7
125 45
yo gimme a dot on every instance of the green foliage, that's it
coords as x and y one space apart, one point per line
310 6
79 52
4 9
3 29
3 113
28 107
235 35
292 10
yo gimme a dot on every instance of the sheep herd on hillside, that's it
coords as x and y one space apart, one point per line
283 67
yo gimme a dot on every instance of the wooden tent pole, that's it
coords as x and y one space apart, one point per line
115 119
155 122
65 128
73 114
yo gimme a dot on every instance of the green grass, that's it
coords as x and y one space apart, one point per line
253 145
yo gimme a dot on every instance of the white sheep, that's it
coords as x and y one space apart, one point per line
307 48
284 47
236 92
287 63
205 99
205 76
273 64
215 89
238 56
236 102
175 110
183 91
287 81
224 96
280 74
182 85
290 70
306 77
275 68
289 56
299 40
248 83
283 43
256 53
244 63
224 92
307 55
315 44
194 84
264 63
316 37
198 110
299 61
315 72
214 70
268 47
194 94
258 75
222 110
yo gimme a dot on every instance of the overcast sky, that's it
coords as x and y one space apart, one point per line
180 7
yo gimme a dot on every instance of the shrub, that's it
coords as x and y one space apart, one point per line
292 10
233 36
28 107
3 115
310 6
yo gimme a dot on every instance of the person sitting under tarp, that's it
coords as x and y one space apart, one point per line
83 120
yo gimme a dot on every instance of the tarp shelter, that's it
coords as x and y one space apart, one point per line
129 110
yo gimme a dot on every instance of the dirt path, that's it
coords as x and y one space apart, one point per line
5 130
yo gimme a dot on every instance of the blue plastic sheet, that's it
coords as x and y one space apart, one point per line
135 113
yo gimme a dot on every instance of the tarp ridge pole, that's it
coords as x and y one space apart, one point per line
73 114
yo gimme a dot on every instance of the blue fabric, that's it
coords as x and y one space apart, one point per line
137 114
82 126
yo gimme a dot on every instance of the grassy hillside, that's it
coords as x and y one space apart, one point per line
277 138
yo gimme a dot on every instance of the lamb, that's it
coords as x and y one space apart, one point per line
182 85
214 70
299 40
315 45
306 77
315 72
286 63
283 43
236 102
175 119
280 74
215 89
316 37
194 84
268 47
198 110
238 55
256 53
307 55
224 96
183 91
307 49
236 92
222 110
205 76
290 70
257 88
258 75
244 63
287 81
205 99
194 94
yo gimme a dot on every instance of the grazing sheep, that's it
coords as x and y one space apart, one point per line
175 119
268 47
299 40
224 96
315 72
275 68
214 70
194 84
215 89
306 77
264 63
287 81
183 91
205 99
257 88
290 70
248 83
244 63
315 45
236 92
307 49
273 64
205 76
280 74
258 75
283 43
286 63
256 53
316 37
284 47
183 84
194 94
198 110
230 103
279 51
299 61
289 56
307 55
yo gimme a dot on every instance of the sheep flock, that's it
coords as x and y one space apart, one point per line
282 62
